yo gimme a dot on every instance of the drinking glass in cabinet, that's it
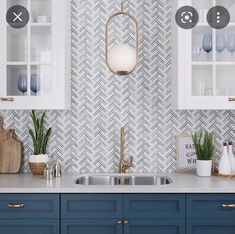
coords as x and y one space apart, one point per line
16 80
197 53
207 43
202 81
22 83
41 80
220 43
231 43
35 83
201 41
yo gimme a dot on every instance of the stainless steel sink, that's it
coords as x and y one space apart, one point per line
123 180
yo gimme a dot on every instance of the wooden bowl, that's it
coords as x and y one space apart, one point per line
37 168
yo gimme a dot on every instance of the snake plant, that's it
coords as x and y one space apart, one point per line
204 146
39 135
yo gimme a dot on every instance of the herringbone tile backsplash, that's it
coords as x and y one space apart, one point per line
86 139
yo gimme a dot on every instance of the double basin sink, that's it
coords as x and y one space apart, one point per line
123 180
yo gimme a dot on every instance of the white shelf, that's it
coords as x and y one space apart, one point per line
40 24
26 63
39 64
202 63
232 24
16 63
225 63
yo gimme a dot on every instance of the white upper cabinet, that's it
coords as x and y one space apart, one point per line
34 59
204 60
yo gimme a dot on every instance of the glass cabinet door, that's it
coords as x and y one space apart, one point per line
202 52
213 53
28 57
34 58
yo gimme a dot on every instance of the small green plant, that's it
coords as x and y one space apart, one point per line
204 146
39 135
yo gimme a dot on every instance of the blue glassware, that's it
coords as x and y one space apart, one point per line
22 83
207 43
231 43
35 83
220 43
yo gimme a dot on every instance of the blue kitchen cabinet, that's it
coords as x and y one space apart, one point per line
90 226
123 213
117 213
210 226
210 213
29 226
153 226
210 206
154 206
91 206
29 213
154 213
29 206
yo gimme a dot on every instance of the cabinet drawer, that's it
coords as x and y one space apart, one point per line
90 226
210 226
41 226
210 206
31 206
155 226
154 206
91 206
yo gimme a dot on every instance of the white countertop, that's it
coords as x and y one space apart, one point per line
182 183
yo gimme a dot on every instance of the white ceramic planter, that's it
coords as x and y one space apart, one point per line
204 167
42 158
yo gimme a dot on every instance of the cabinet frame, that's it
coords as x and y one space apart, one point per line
60 61
182 97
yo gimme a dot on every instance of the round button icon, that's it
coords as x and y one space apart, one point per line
17 16
186 17
218 17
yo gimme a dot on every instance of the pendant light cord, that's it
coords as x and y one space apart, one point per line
122 6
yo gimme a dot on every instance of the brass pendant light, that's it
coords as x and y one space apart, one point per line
122 59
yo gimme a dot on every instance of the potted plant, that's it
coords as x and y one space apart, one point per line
40 136
204 147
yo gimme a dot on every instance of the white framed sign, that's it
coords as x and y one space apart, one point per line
185 154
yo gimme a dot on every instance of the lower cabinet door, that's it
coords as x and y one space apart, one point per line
91 226
152 226
29 226
210 226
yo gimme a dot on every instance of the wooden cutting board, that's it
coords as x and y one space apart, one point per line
10 151
4 134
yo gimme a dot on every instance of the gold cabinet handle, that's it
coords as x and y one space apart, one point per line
231 99
2 99
125 221
119 222
16 205
231 206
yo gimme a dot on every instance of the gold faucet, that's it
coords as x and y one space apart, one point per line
124 164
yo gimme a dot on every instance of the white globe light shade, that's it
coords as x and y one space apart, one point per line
122 59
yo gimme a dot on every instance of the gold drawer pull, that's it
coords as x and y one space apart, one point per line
7 99
119 222
231 206
232 99
16 205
